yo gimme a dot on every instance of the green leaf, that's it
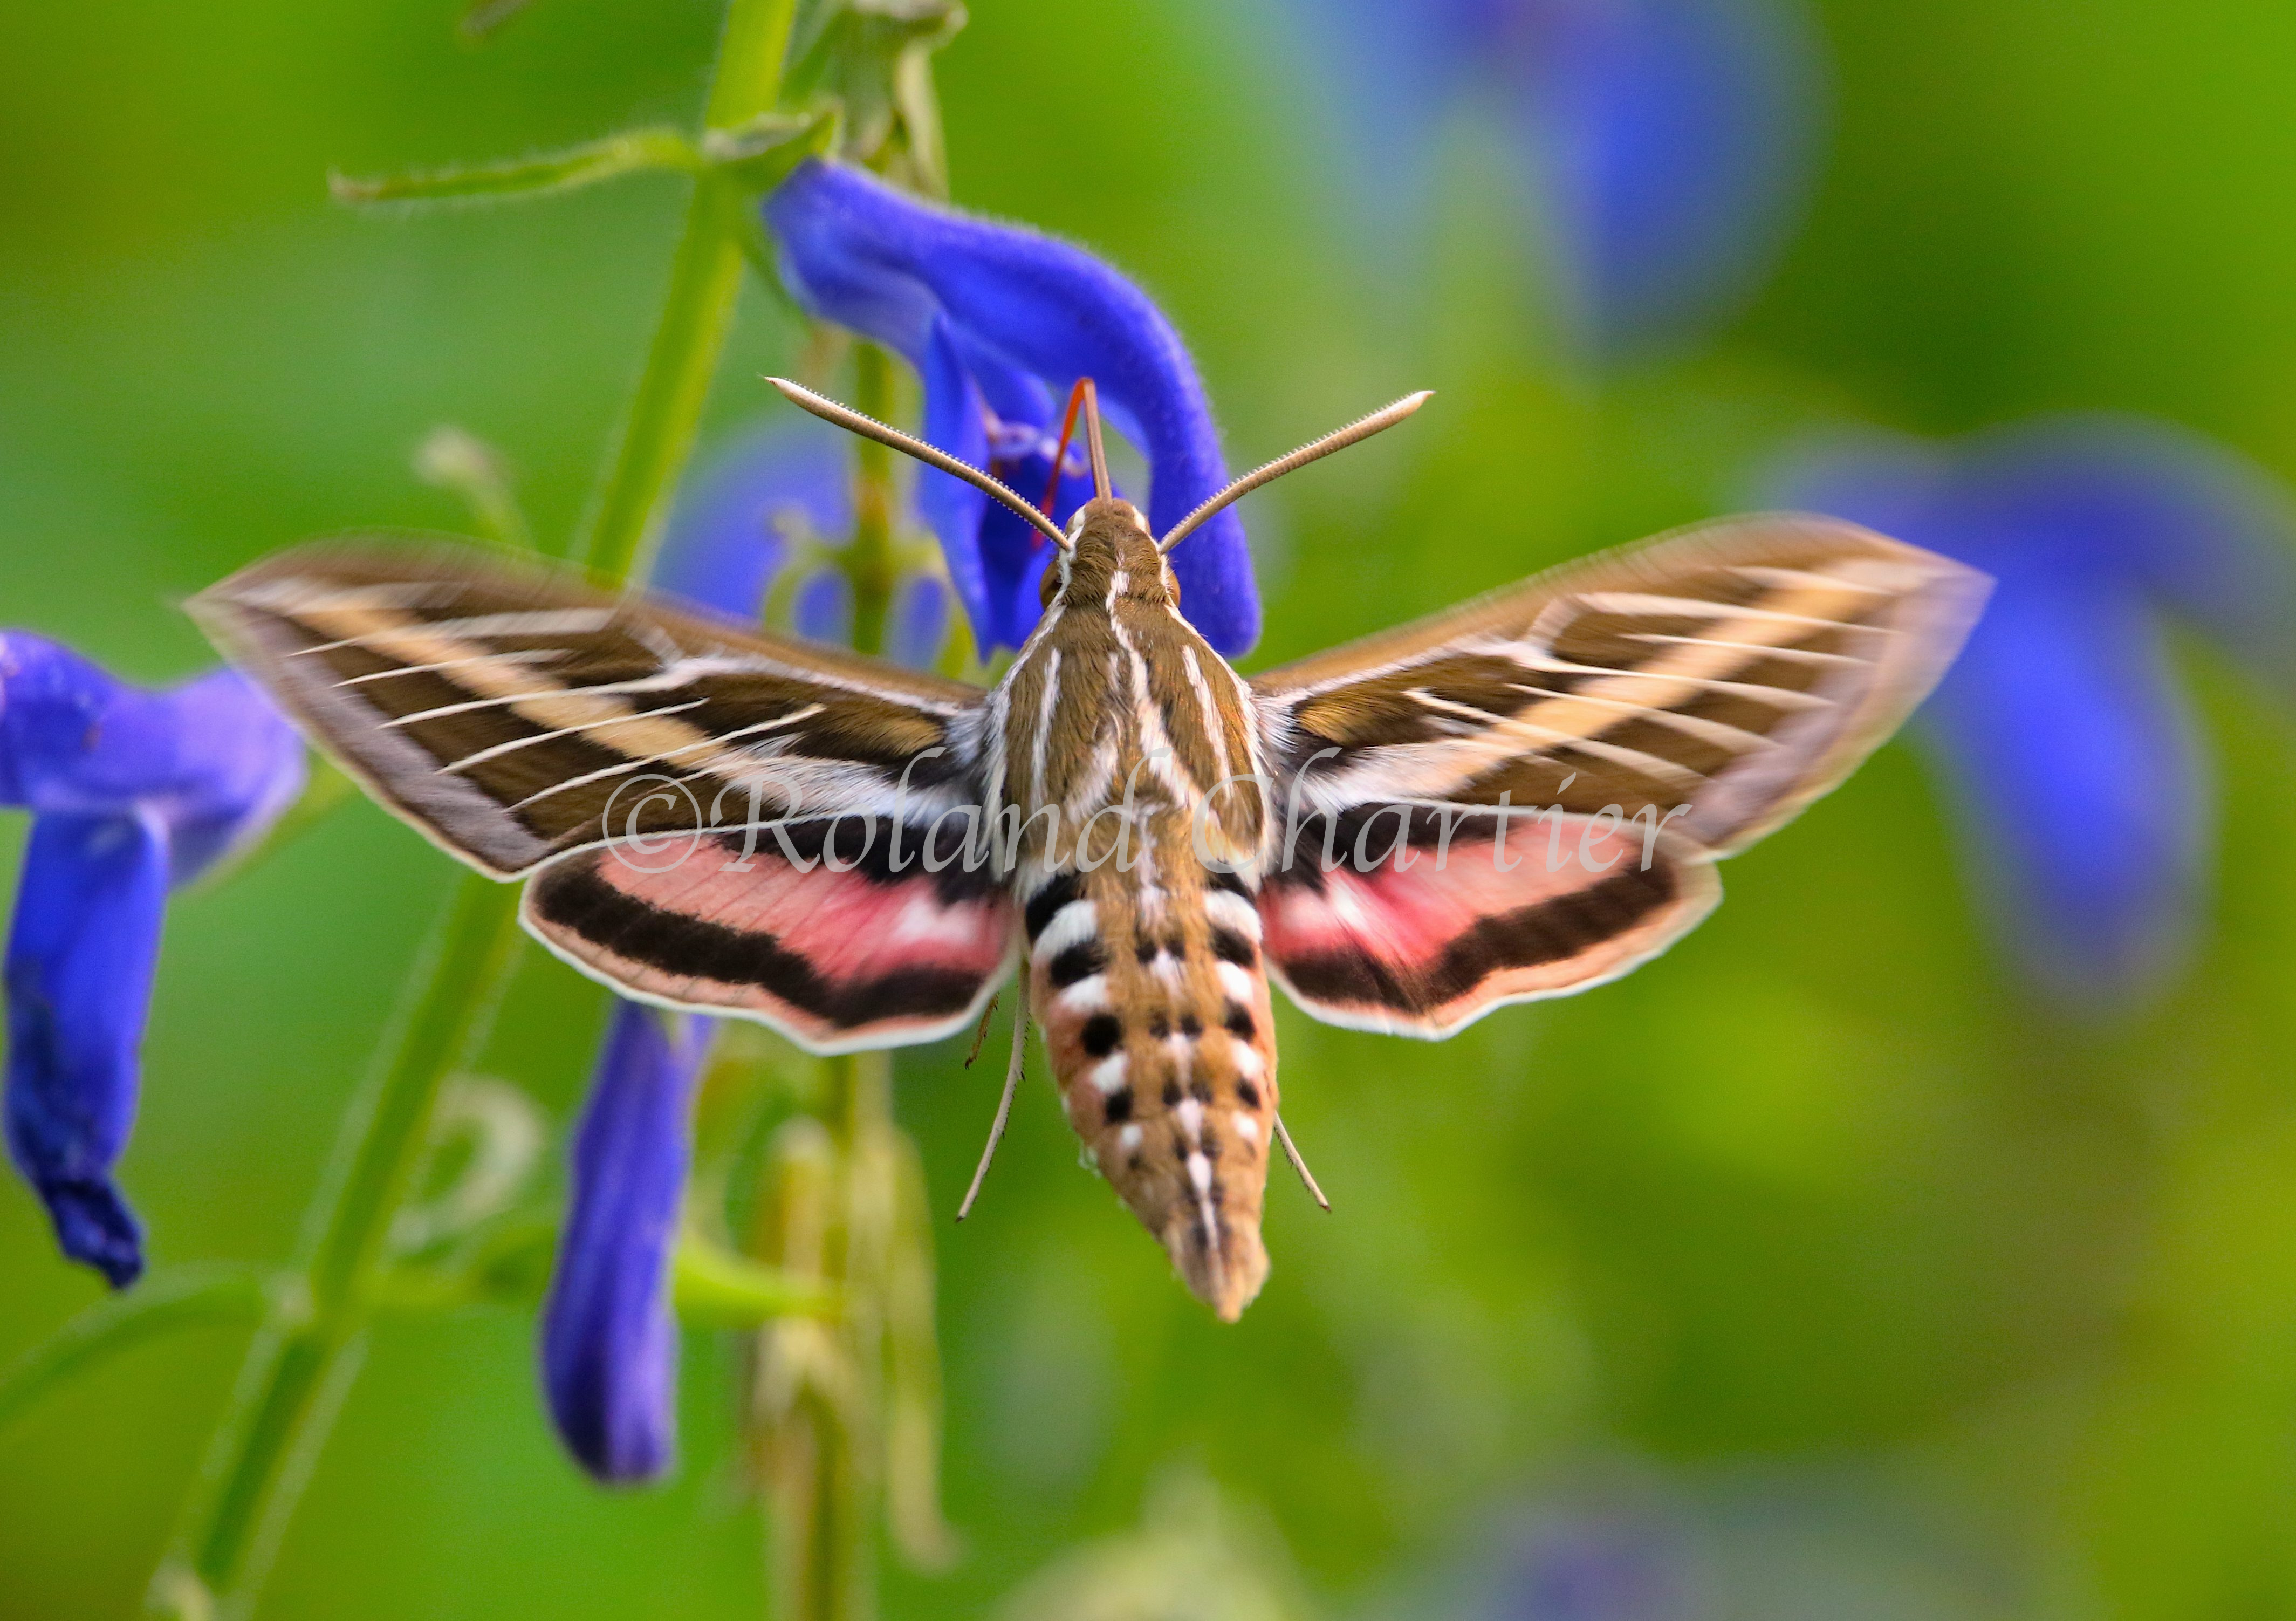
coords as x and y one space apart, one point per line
715 1287
632 152
191 1298
758 155
506 1261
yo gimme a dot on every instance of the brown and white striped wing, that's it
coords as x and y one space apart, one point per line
1709 684
514 713
713 818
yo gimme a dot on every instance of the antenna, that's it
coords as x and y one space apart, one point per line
1339 439
1099 485
869 427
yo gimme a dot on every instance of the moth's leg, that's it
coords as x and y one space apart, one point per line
1004 1104
980 1035
1307 1177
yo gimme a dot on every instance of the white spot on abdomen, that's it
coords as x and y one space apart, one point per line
1232 910
1072 924
1084 996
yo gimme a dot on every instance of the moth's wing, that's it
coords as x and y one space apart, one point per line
650 768
1423 938
1734 671
837 939
515 714
1710 684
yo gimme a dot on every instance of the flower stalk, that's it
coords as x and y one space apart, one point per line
847 1413
872 562
301 1362
705 279
302 1359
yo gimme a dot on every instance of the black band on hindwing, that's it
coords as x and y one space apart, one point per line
574 898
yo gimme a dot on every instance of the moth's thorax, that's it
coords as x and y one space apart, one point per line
1117 705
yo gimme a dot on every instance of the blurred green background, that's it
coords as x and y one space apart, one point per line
1817 1240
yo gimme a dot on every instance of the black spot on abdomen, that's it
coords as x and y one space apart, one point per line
1101 1034
1081 960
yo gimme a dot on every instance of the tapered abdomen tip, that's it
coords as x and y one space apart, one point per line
1227 1279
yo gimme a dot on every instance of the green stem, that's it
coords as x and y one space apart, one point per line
300 1364
824 1573
870 562
704 281
303 1362
722 1288
827 1476
236 1296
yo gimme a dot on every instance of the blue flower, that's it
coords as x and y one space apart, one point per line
1586 1564
730 534
999 322
609 1336
1668 142
2064 728
1013 553
131 791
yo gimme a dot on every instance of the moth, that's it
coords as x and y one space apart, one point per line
1520 798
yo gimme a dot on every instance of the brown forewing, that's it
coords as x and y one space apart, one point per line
1730 673
500 707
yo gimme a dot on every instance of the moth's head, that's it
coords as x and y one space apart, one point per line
1108 537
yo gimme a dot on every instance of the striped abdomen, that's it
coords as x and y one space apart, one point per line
1156 1012
1119 734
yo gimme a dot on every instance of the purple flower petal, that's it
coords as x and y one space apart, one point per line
609 1338
961 297
1385 74
824 609
237 766
956 420
73 739
81 952
1674 139
724 541
2204 532
131 791
211 757
920 622
2080 782
1590 1565
1670 142
2080 778
1013 553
